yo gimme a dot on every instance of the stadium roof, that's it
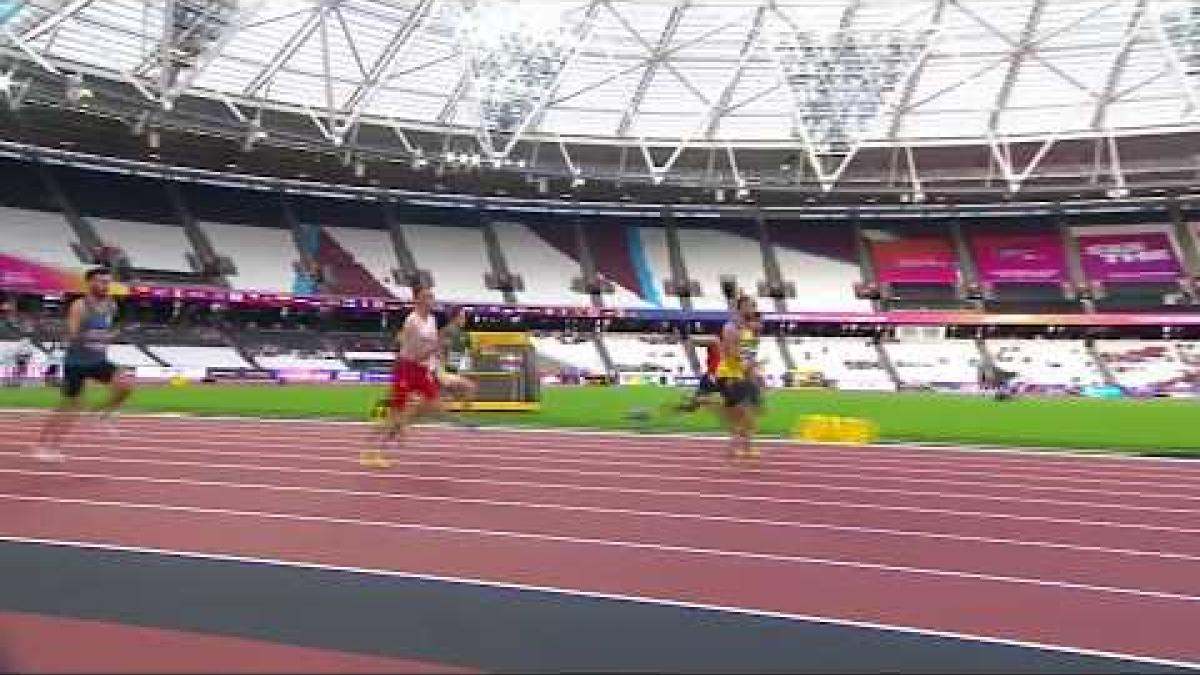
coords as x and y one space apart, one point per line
821 77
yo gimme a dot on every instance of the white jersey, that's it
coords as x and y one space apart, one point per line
420 343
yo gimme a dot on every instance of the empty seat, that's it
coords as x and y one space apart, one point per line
849 363
578 353
948 362
1061 363
263 256
711 254
129 356
373 250
148 245
42 236
199 357
547 272
457 259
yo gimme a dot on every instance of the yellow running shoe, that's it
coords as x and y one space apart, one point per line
374 459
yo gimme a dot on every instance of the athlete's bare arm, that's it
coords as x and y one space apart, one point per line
730 342
74 320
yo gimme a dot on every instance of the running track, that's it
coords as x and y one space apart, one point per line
1085 553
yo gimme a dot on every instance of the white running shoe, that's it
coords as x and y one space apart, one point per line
108 422
44 454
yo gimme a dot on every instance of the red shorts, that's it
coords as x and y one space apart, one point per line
409 378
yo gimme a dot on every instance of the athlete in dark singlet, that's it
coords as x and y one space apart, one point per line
90 321
455 361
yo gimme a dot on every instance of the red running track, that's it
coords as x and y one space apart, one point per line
1086 553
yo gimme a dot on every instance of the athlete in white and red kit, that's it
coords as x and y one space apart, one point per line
414 375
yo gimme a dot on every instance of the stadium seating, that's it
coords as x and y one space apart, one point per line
820 259
42 236
944 362
710 254
849 363
129 356
457 259
190 356
373 251
635 353
147 245
263 256
546 271
609 243
771 357
575 352
1145 363
1047 362
822 284
286 361
10 348
658 261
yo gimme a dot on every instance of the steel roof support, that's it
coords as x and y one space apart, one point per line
1109 94
720 107
1023 48
289 49
56 19
656 59
381 71
904 99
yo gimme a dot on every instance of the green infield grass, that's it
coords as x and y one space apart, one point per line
1157 426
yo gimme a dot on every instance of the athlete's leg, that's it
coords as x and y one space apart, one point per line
62 419
461 389
120 386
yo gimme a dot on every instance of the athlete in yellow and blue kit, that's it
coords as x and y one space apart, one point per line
739 378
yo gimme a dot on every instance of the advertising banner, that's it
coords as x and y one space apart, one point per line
1018 257
304 375
156 373
920 259
240 374
23 275
1128 257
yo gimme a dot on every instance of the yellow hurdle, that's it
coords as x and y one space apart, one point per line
834 429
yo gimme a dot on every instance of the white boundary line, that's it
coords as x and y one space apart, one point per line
798 501
1065 453
619 544
799 461
615 511
750 482
697 466
632 599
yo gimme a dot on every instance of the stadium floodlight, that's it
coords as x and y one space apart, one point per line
76 92
518 48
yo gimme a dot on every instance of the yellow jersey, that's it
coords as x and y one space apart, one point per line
736 367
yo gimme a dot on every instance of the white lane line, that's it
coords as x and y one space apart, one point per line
615 597
657 493
539 456
686 551
1079 456
581 454
733 482
575 508
870 458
